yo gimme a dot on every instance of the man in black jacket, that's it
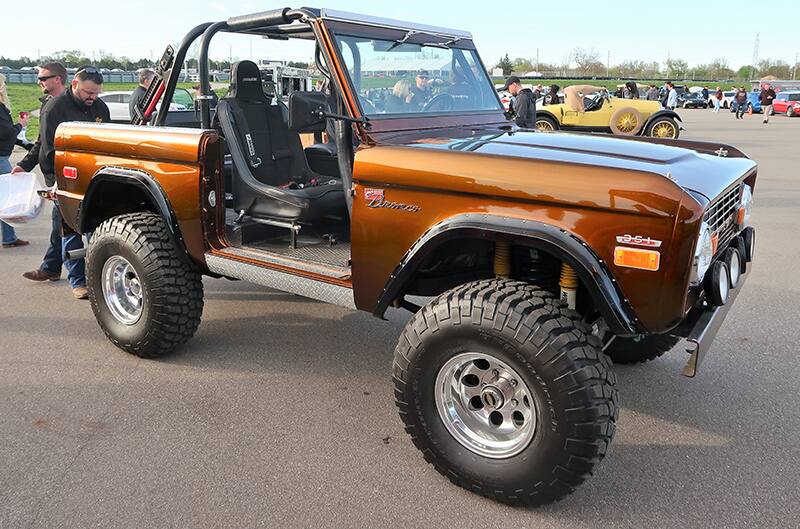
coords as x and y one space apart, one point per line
524 111
78 103
53 82
767 96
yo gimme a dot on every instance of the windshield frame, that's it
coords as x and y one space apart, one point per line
415 120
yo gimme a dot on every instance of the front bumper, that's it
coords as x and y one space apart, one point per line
701 326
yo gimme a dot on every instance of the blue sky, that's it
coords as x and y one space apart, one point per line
642 30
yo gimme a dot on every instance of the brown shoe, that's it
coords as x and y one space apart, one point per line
80 292
18 242
41 275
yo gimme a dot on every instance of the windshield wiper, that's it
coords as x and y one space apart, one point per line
402 41
445 45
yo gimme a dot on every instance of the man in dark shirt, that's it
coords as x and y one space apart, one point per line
421 92
53 82
524 111
767 96
145 78
78 103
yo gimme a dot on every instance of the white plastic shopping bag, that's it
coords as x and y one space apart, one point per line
19 201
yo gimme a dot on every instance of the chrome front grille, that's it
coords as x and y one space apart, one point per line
721 215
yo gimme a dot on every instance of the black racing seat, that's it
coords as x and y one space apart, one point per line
271 176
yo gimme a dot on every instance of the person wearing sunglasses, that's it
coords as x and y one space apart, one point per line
79 102
52 82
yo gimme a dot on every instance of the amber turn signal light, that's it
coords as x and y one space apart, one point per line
636 258
740 214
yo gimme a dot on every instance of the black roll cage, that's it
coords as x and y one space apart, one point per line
277 23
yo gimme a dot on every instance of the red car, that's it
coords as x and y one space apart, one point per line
788 103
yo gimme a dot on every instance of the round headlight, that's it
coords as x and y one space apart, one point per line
703 254
718 284
733 260
747 203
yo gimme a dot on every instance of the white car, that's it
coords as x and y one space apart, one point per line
727 98
119 104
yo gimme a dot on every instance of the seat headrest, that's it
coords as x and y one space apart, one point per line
246 82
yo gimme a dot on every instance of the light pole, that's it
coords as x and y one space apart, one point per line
608 65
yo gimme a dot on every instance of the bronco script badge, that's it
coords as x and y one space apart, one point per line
375 198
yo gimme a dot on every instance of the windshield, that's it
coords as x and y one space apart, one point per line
399 77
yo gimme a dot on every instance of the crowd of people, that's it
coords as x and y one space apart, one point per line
523 106
61 102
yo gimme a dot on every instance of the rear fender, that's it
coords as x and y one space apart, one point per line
142 187
590 269
662 114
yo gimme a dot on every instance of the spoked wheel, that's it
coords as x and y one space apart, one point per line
504 392
626 121
546 124
663 128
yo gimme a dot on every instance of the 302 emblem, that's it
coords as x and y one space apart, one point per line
638 240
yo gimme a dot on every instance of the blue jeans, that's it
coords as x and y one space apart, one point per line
9 235
54 257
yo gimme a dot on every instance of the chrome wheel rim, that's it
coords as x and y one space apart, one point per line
485 405
122 290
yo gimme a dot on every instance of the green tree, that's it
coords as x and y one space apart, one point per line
506 65
521 65
746 72
676 68
779 69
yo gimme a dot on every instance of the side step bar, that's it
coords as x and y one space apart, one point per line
302 286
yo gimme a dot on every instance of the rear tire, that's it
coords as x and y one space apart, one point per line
542 351
546 124
629 351
146 296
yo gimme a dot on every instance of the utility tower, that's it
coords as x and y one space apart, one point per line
754 63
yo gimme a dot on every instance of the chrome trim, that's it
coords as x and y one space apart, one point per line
366 20
721 215
302 286
705 329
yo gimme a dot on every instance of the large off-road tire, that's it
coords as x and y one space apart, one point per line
663 127
629 351
146 296
504 392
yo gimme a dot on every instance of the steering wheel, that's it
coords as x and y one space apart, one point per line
441 102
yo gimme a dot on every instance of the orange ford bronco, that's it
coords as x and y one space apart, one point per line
530 260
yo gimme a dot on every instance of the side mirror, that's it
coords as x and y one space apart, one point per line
308 111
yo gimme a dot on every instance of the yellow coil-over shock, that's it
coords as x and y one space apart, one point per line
568 284
502 259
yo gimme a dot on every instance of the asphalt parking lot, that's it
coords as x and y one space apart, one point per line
280 413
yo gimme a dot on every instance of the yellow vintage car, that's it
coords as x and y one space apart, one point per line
593 109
